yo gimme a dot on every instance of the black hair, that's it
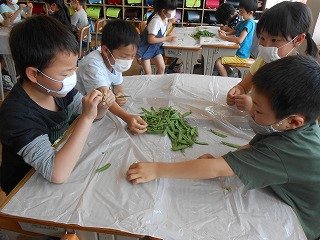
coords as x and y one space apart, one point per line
224 13
288 19
292 85
36 41
158 5
249 5
63 15
117 33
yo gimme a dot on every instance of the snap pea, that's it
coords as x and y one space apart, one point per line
103 168
220 134
202 33
233 145
169 121
123 96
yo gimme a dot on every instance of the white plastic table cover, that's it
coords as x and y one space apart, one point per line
185 40
170 209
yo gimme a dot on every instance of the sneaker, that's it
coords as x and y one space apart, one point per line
7 83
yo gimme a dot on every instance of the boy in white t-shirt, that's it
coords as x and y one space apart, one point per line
154 35
103 69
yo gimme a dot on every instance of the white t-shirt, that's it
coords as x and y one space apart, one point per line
92 73
1 19
156 24
4 8
79 19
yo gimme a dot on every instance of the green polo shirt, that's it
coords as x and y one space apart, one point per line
289 163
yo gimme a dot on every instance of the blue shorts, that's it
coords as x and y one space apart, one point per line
149 51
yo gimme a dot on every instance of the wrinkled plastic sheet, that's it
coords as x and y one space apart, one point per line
220 208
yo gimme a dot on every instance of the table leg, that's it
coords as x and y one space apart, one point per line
211 54
11 68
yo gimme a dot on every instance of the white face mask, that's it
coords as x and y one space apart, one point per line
172 14
241 18
67 84
14 1
120 65
270 54
264 130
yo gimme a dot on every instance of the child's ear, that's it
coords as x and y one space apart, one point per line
32 73
299 39
295 121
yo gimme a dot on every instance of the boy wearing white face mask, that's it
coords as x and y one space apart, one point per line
154 35
284 154
242 35
10 9
281 30
103 69
43 104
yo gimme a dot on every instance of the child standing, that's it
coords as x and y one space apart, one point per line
226 15
10 9
42 105
154 35
284 154
103 69
281 30
243 35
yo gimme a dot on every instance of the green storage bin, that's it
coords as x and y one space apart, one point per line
134 2
93 12
113 12
193 3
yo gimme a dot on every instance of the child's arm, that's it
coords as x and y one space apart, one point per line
29 13
119 91
232 38
152 39
14 15
67 157
203 168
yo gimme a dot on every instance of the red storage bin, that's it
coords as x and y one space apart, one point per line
115 2
212 3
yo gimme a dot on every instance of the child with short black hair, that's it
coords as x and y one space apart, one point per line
284 154
103 69
58 10
43 104
281 30
79 19
155 34
242 35
226 15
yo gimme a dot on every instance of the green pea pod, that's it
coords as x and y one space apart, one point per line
233 145
201 143
220 134
123 96
103 168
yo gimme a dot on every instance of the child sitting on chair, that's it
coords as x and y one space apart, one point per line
103 69
242 35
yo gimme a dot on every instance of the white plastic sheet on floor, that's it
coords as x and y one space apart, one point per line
170 209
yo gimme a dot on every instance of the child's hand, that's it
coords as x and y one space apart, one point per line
170 38
30 5
222 34
136 124
236 90
224 28
243 102
22 6
90 103
121 100
108 98
142 172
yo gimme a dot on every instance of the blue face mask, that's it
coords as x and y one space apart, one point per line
264 130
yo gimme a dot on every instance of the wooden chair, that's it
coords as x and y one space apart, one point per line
98 26
83 37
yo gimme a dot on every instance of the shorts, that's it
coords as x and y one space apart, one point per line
149 51
234 60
